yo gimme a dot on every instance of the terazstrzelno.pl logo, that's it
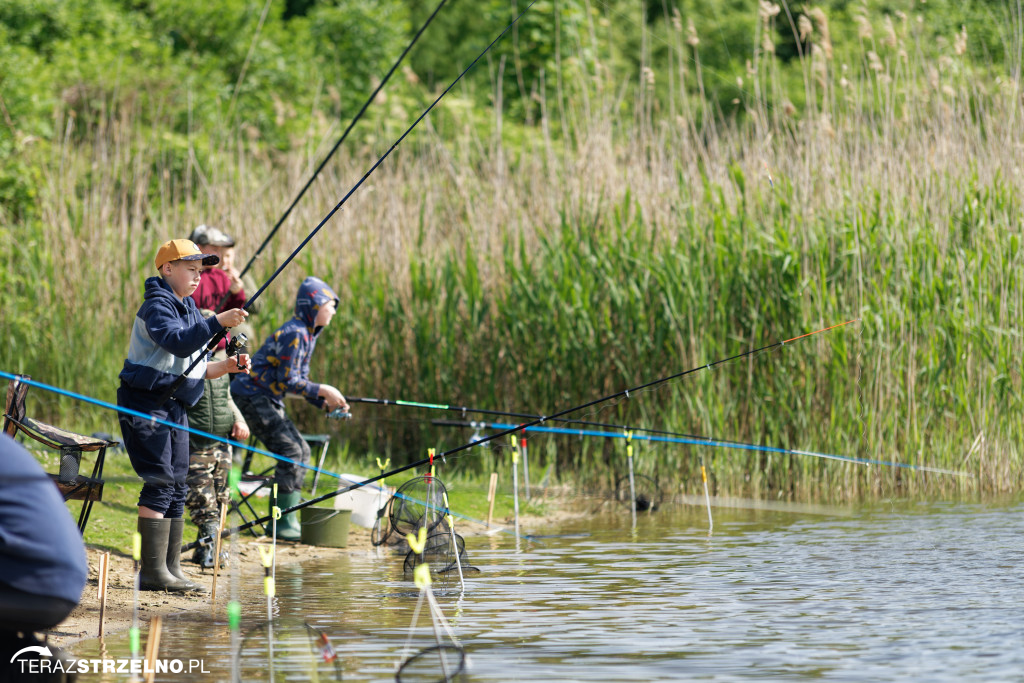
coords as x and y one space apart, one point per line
45 663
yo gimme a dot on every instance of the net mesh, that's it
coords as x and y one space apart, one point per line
438 552
417 503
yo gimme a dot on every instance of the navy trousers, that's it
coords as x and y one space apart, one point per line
158 453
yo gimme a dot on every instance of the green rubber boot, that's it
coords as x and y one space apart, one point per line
288 528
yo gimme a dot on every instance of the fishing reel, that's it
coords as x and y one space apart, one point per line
236 345
339 414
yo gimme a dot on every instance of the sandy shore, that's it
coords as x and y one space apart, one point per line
84 621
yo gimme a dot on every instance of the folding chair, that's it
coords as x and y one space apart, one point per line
71 484
321 441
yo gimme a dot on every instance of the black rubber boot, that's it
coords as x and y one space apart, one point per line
203 555
154 575
174 533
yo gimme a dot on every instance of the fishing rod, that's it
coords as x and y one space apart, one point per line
330 214
337 145
502 413
625 393
693 441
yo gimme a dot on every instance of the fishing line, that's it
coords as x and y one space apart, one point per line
330 214
337 145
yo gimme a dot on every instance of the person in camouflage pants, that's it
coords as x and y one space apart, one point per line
208 470
210 460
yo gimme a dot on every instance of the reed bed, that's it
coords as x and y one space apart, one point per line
532 269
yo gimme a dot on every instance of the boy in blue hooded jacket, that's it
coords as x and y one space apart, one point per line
169 333
281 367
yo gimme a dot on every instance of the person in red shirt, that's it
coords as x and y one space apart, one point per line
219 290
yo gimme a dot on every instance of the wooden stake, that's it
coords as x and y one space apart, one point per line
101 587
216 556
153 646
490 497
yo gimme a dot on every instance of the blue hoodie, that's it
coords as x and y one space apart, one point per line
168 334
281 366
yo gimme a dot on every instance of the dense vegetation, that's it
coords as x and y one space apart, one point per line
611 196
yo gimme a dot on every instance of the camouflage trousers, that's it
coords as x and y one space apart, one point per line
208 483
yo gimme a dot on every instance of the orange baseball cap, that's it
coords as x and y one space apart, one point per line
183 250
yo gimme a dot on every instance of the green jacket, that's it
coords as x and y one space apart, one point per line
214 413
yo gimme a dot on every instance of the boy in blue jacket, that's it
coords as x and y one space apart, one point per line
168 335
280 367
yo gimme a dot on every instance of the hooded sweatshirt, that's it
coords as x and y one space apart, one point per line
281 366
168 334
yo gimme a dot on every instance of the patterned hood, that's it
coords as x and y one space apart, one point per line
313 294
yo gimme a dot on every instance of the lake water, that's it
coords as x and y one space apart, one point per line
891 592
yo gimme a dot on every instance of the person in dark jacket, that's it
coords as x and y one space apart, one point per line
209 460
281 367
42 558
169 334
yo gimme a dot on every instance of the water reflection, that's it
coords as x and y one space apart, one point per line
895 592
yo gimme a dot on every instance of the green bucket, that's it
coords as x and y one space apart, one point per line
325 526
